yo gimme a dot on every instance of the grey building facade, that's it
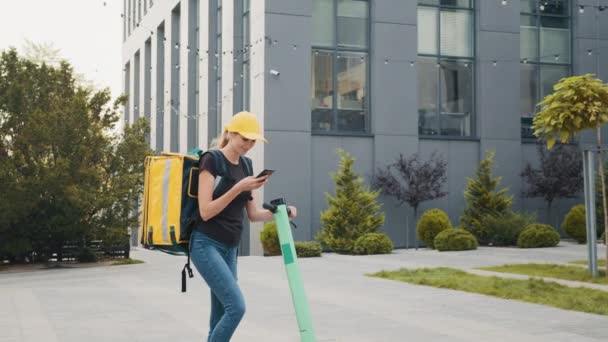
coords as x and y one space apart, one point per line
377 78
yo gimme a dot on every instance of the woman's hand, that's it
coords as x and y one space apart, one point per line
293 212
251 183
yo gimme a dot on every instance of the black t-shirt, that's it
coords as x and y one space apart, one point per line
227 226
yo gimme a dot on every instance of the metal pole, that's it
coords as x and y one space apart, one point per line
407 232
589 181
597 40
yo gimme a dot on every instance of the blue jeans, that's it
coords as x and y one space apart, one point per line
216 262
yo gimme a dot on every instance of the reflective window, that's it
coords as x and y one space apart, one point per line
545 44
340 66
445 68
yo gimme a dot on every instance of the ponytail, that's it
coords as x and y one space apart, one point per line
223 139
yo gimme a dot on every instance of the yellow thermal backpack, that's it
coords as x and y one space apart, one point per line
170 203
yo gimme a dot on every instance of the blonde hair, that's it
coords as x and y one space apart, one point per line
220 141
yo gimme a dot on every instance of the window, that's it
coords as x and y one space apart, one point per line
445 67
545 36
340 53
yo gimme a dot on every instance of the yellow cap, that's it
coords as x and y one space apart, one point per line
245 124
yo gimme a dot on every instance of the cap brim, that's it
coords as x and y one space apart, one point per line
254 136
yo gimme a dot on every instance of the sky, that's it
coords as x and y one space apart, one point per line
88 33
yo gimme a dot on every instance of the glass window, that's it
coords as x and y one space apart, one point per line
528 40
445 68
322 91
446 3
549 76
340 66
427 31
352 23
351 78
528 88
322 23
455 83
456 33
427 96
555 40
545 43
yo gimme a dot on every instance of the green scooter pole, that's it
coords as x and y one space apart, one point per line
296 285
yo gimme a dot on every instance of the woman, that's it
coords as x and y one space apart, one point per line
215 240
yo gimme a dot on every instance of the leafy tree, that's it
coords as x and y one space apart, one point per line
62 175
47 53
560 174
412 180
577 103
483 199
40 53
352 213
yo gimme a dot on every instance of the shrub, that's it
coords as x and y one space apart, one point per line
270 239
538 235
373 243
353 212
306 249
432 223
86 255
455 240
574 224
483 198
504 229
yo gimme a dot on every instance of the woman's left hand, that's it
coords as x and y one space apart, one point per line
293 211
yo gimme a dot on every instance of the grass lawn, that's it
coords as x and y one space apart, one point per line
126 262
550 270
531 290
600 262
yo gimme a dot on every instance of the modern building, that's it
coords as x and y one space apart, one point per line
377 78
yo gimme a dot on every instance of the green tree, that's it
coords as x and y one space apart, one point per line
352 213
63 176
577 103
559 175
483 199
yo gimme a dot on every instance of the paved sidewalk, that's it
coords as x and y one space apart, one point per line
143 303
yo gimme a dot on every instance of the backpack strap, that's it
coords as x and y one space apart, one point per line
220 164
188 269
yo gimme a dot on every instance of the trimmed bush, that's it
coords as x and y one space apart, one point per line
307 249
574 224
504 229
538 235
455 240
373 243
270 239
432 223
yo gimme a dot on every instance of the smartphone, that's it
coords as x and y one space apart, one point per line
264 173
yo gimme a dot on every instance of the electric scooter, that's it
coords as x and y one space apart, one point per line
281 216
